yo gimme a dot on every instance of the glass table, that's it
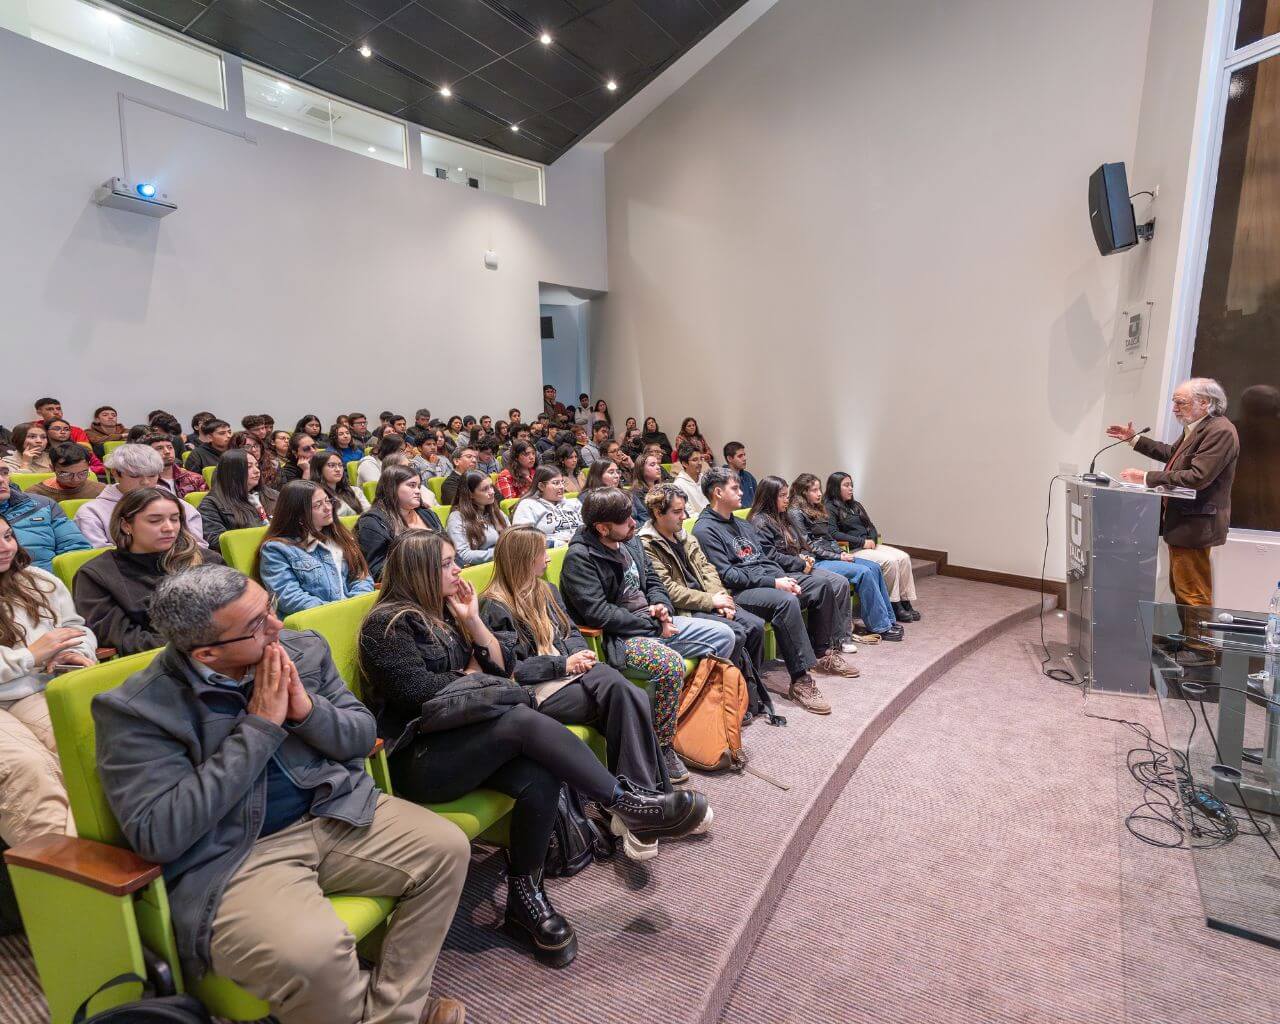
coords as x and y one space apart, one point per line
1221 709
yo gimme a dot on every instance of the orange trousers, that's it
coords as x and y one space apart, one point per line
1191 580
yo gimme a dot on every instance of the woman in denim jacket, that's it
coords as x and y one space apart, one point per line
308 558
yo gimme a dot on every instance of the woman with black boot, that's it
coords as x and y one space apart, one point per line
853 525
453 721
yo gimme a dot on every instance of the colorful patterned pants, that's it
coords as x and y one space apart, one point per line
665 669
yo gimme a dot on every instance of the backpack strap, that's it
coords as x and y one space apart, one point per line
119 979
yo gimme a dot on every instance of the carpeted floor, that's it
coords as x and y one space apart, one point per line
977 869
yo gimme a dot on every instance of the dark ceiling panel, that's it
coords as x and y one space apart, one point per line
486 51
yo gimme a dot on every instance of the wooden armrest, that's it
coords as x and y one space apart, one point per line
377 747
590 631
106 653
110 869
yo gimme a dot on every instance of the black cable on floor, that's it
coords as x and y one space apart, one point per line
1058 675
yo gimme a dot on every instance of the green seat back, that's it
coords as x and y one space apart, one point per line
552 575
435 483
742 513
195 497
669 467
208 474
508 505
71 505
339 623
478 575
66 565
185 456
442 513
109 446
688 524
240 547
28 480
69 697
352 469
370 488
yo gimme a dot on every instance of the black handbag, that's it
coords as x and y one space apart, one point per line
470 699
576 840
177 1009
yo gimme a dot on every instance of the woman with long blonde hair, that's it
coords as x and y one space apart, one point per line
438 681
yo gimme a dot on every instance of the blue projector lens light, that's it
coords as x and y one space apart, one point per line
147 190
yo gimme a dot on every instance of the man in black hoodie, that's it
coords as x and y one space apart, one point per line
608 584
775 592
215 439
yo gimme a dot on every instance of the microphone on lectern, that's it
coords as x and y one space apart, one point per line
1101 479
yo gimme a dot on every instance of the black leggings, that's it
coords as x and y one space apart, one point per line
524 754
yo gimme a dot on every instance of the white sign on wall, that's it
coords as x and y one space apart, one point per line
1133 328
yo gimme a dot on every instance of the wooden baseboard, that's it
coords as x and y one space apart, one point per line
1004 579
929 554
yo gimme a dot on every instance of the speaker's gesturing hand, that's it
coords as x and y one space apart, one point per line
1121 433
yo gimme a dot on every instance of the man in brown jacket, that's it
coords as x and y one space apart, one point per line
1203 459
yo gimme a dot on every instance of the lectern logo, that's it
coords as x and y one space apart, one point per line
1075 550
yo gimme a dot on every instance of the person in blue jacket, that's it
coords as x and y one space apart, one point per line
308 558
42 528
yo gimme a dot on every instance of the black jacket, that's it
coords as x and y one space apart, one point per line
658 438
530 666
407 665
217 519
202 455
851 524
449 489
788 552
113 593
738 552
818 534
374 532
591 579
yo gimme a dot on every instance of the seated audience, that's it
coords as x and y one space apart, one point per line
600 414
421 428
134 466
647 476
215 438
565 458
455 433
308 558
652 435
735 458
398 507
690 434
582 411
309 425
330 472
594 448
476 520
30 449
609 585
695 589
41 526
252 445
486 455
238 499
137 432
805 513
774 593
297 461
58 431
359 424
40 635
464 461
603 473
390 450
546 438
631 442
853 526
692 464
544 506
105 426
166 423
340 441
423 637
257 425
113 591
237 707
173 477
51 409
515 478
278 442
613 451
433 463
656 450
71 476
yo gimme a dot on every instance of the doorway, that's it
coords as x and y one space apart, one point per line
565 316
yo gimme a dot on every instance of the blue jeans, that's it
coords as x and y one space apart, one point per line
699 638
873 595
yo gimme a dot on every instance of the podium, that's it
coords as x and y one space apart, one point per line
1113 535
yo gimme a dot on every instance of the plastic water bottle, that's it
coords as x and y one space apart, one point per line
1273 622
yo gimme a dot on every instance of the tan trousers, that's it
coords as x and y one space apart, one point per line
1191 580
896 566
276 935
33 801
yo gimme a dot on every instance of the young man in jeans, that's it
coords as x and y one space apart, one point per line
776 594
236 760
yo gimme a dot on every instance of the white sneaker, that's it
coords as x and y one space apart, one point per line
848 647
633 848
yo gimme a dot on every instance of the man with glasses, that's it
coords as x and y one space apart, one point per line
173 477
236 760
1204 459
71 476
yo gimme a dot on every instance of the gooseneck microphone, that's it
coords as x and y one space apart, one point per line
1101 479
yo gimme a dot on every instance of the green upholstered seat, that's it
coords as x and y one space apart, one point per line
348 521
70 506
208 474
66 565
353 468
370 488
109 446
508 505
436 483
240 547
28 480
195 497
442 513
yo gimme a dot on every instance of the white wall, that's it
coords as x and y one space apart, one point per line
562 355
293 278
868 222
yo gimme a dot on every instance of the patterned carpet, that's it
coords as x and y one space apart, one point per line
977 869
664 941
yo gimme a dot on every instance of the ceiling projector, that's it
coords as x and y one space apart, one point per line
135 197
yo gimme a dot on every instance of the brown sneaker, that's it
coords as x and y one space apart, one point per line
804 691
444 1011
833 664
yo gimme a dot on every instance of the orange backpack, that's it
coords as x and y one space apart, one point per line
709 722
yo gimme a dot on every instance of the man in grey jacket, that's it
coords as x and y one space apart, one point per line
236 760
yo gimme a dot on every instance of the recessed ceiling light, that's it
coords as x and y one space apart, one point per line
545 39
365 51
445 91
461 170
515 127
110 17
373 149
283 85
611 85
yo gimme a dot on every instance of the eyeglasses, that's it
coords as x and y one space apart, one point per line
63 474
257 626
1183 402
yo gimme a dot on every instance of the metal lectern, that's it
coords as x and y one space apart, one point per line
1113 533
